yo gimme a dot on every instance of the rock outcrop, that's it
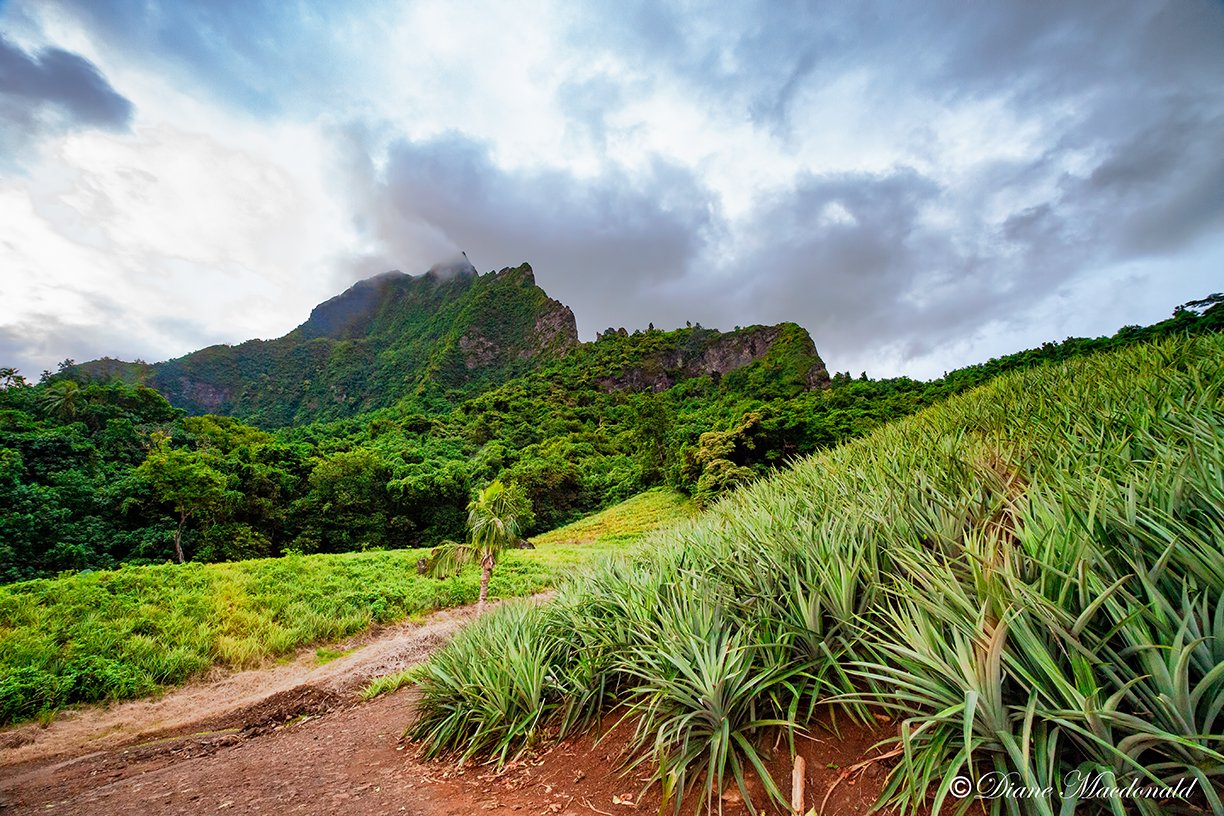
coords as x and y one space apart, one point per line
786 347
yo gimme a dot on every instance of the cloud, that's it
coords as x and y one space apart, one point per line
53 90
762 60
163 239
602 245
851 256
1158 189
901 271
919 186
266 57
37 344
587 103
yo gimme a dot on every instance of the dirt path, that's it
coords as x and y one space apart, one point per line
243 699
295 738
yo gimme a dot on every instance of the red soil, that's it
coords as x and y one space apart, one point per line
315 748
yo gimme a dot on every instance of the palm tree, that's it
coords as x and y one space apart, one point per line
495 518
61 398
9 378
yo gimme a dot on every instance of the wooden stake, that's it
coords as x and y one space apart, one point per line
797 782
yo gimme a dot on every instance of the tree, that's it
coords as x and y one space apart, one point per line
495 518
9 378
653 420
61 399
348 506
185 479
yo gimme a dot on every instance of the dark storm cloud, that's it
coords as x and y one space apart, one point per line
1042 53
739 59
1129 102
64 79
857 259
758 59
53 90
1158 189
604 246
844 255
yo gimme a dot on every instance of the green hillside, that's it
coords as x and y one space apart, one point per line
113 635
426 343
1030 576
94 474
436 336
624 522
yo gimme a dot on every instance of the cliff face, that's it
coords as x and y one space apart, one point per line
780 356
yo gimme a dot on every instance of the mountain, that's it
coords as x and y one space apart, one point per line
442 337
446 333
91 471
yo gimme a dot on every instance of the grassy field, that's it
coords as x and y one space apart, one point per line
1031 576
128 632
625 522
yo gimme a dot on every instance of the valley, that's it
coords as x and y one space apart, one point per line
741 553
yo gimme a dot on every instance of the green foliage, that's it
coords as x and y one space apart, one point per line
631 519
490 685
64 484
61 399
439 337
323 655
186 480
578 432
387 683
495 517
349 502
124 633
1029 575
113 635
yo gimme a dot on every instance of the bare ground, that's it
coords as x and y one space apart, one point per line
295 738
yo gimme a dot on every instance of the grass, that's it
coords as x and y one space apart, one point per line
324 655
387 683
129 632
1031 575
625 522
577 544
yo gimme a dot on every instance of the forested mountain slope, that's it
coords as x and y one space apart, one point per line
437 335
435 339
98 472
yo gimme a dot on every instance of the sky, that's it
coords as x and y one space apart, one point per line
921 186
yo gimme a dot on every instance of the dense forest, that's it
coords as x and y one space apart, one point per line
96 471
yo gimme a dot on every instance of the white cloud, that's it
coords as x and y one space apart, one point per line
189 238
